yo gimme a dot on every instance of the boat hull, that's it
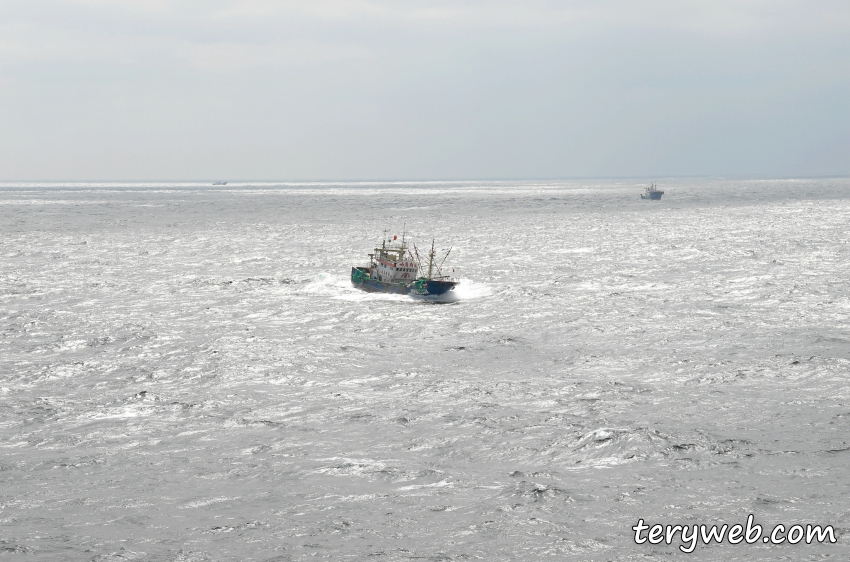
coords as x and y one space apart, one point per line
655 196
423 287
432 287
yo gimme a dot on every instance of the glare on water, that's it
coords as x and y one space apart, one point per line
187 373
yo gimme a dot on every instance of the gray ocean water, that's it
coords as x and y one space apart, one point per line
186 373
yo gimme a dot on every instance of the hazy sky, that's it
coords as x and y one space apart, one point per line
408 89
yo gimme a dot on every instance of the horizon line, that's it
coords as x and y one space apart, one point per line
442 180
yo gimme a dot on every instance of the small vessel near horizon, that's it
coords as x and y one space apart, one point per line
219 183
394 268
652 192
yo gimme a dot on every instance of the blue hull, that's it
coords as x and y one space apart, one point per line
423 287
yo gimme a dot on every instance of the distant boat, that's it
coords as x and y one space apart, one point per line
219 183
652 192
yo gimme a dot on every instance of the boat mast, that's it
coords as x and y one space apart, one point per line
431 260
418 260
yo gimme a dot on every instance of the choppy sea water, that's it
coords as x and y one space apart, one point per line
187 374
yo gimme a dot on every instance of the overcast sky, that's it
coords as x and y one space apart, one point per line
408 89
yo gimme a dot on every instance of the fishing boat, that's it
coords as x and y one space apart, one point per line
652 192
394 268
219 183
